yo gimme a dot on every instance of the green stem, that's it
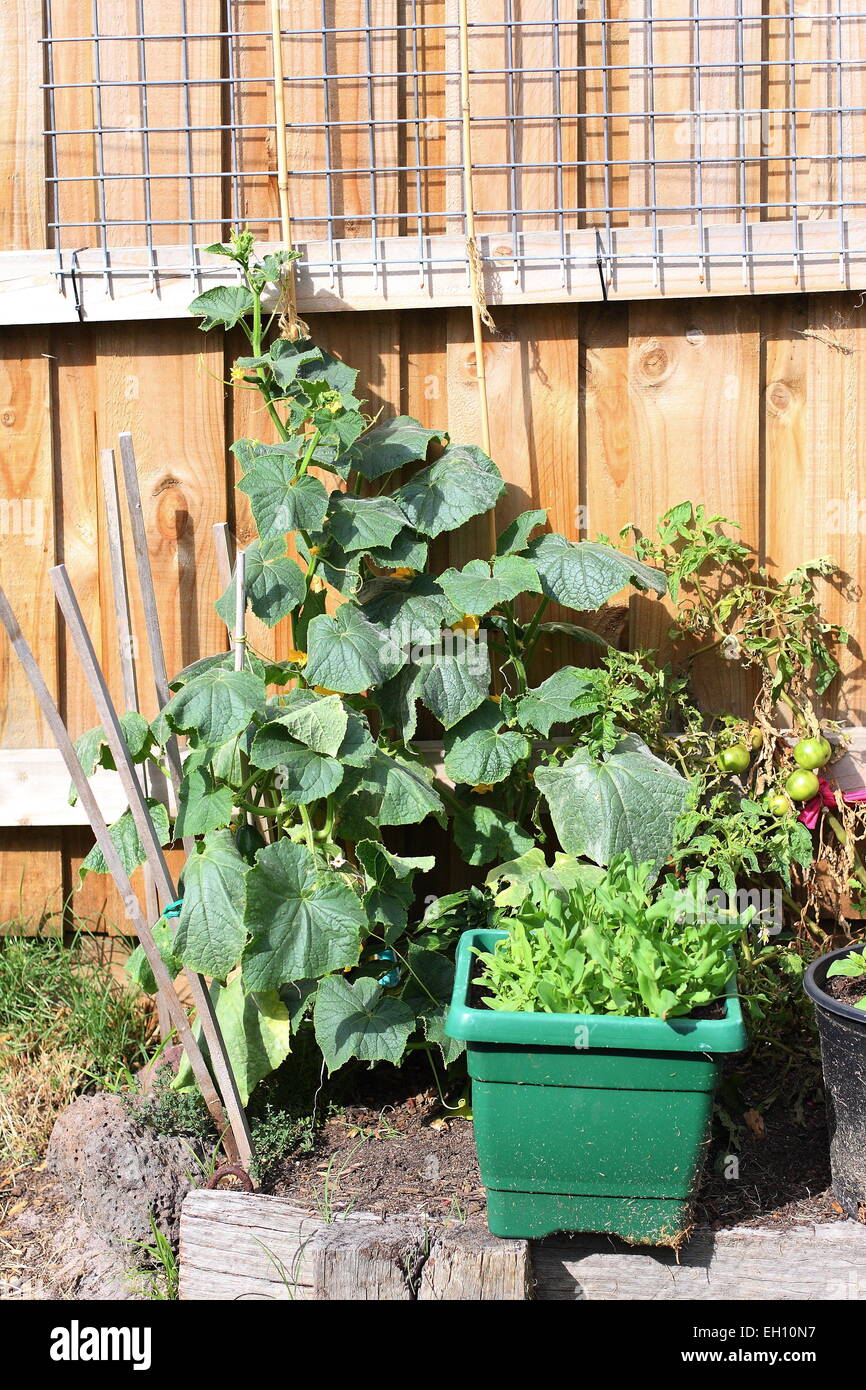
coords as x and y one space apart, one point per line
309 833
844 838
530 636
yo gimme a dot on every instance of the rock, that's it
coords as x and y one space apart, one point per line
117 1173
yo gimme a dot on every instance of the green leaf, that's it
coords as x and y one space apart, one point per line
319 721
257 1032
585 574
430 981
407 551
397 699
362 523
348 654
358 746
515 538
389 878
390 790
455 679
480 586
305 921
137 965
479 751
580 634
274 583
210 931
304 776
225 304
287 361
483 834
413 611
392 444
629 801
214 707
127 842
518 876
281 502
93 750
203 804
461 484
552 702
360 1020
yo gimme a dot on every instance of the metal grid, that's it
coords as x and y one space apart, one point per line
159 127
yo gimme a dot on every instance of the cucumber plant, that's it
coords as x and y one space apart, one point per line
294 902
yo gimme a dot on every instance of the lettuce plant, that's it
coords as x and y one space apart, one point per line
607 942
296 769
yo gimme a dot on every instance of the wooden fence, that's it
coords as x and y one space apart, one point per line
605 413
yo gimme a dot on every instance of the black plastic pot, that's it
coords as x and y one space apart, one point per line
842 1030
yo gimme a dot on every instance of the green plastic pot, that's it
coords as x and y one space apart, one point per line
589 1122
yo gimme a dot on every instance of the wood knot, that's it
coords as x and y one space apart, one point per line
780 397
655 363
172 514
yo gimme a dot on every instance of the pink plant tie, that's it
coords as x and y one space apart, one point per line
826 796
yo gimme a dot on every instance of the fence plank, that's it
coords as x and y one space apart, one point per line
22 149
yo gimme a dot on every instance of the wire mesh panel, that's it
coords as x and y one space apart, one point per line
620 146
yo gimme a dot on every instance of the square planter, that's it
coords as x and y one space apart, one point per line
589 1122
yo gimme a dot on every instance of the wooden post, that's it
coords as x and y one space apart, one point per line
149 839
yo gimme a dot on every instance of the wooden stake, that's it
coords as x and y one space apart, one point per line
126 643
150 841
291 326
223 546
166 989
148 599
480 312
239 638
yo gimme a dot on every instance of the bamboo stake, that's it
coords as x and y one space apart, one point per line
480 312
166 989
291 326
222 546
148 599
125 639
239 638
150 841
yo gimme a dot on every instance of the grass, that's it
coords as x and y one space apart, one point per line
67 1025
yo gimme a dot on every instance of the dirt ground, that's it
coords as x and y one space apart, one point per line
407 1154
396 1150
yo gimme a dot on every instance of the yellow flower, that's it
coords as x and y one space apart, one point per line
299 658
323 690
237 373
404 573
497 699
482 789
468 623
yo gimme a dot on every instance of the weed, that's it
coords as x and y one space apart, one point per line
159 1278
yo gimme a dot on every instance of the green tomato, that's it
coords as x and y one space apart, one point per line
811 753
734 759
777 803
756 739
802 785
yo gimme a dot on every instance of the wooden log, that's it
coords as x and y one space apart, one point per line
379 1262
236 1245
819 1263
467 1263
